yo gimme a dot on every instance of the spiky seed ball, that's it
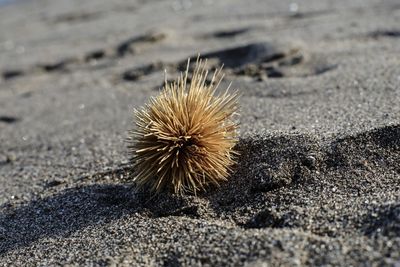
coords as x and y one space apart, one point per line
184 137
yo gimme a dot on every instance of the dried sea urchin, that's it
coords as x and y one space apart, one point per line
184 137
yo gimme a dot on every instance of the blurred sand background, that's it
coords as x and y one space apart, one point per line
318 180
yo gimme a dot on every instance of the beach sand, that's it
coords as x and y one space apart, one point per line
318 179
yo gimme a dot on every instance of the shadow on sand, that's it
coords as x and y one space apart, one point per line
64 213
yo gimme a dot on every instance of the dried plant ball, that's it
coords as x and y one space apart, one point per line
184 137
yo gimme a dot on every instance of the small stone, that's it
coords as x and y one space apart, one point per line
11 158
310 161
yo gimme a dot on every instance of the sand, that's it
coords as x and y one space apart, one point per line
318 179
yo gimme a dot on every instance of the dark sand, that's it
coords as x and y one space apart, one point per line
318 181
